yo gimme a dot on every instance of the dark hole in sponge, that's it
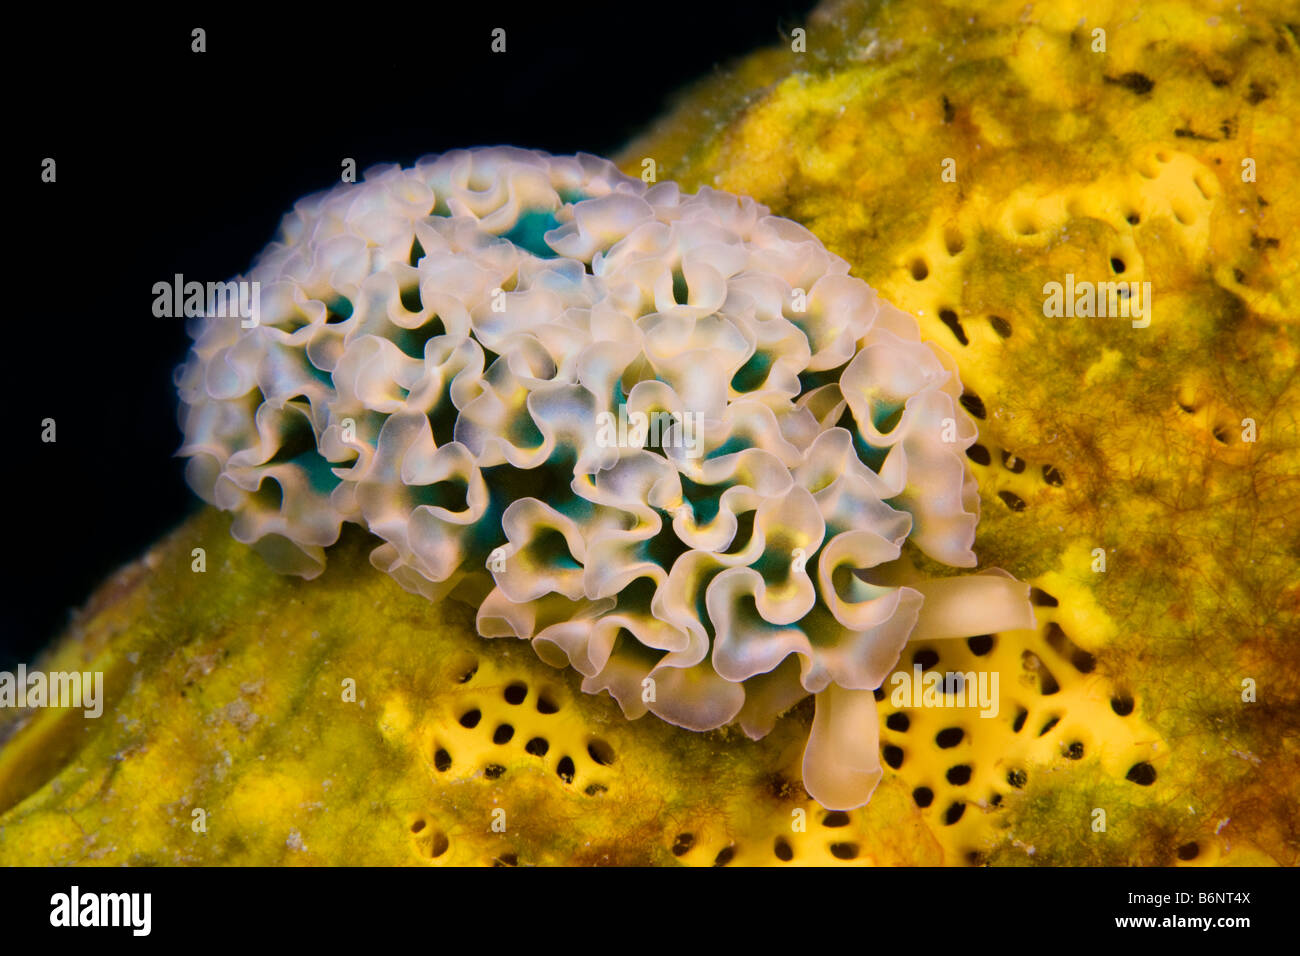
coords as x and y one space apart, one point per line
949 318
565 769
978 454
782 850
926 658
601 752
1122 705
844 851
893 755
923 797
1188 851
683 844
1012 501
441 761
1135 82
973 404
1143 774
980 644
537 747
724 856
898 722
959 775
1042 598
953 814
440 844
516 693
949 114
949 737
471 718
836 818
1056 638
502 734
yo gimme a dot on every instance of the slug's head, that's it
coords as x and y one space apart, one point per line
665 437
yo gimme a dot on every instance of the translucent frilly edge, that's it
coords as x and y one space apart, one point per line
667 438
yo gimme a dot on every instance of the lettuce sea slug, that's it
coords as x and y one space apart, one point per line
667 438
